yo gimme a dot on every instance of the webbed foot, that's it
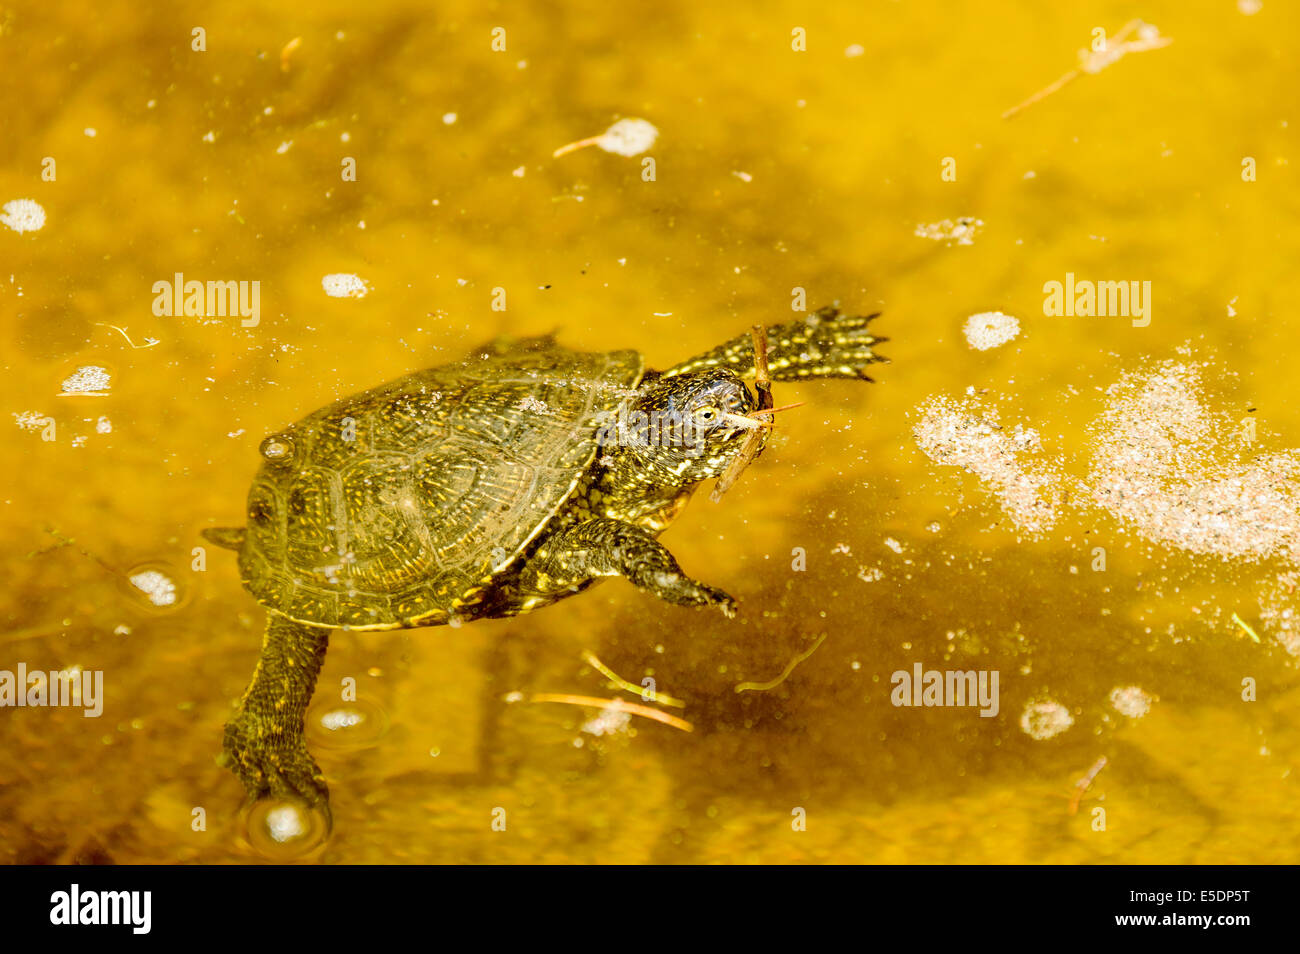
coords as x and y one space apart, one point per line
271 763
826 344
264 743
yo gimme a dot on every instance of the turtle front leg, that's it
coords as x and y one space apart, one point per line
604 547
264 742
826 344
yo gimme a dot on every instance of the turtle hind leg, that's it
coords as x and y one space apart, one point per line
603 547
264 743
826 344
232 538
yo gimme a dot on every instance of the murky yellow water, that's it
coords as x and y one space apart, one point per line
774 168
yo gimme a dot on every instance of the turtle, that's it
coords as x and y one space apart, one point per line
487 488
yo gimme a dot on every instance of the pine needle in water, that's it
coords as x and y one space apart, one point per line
649 695
617 705
773 683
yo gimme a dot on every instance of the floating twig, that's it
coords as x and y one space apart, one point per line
647 694
773 410
1085 783
1242 623
31 632
613 704
287 51
1094 61
772 684
149 342
627 137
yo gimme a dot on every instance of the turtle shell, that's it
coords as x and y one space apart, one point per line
397 506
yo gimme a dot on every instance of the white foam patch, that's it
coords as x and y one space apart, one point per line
88 379
157 587
1045 720
342 285
990 329
1130 701
628 137
23 215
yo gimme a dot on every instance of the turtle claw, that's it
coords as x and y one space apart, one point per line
712 596
280 767
825 345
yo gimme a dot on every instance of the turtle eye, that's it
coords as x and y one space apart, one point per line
707 415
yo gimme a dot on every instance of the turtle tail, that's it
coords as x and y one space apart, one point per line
232 538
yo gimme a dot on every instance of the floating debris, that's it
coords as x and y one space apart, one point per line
342 285
597 703
148 342
785 673
90 380
530 403
1245 627
30 420
609 722
990 329
1163 465
23 215
1159 467
1044 720
961 231
627 137
1081 787
964 433
157 587
1094 61
287 51
645 692
1130 701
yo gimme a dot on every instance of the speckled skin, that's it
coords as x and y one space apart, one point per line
486 488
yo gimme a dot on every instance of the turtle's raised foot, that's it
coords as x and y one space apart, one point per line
825 345
271 764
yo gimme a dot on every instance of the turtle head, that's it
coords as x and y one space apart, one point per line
688 427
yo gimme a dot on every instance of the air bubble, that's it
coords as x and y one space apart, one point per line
346 725
286 830
86 380
155 587
276 447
